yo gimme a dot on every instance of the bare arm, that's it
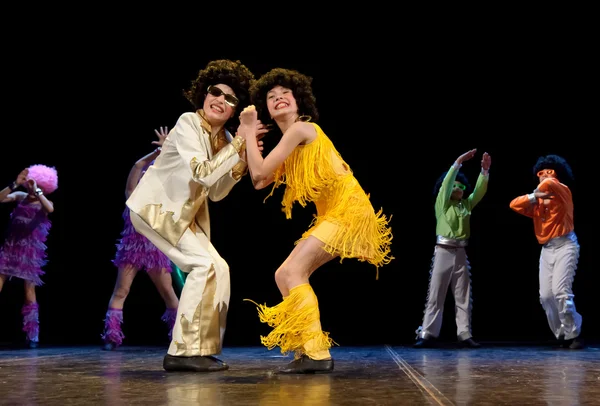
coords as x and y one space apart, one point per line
137 169
14 197
261 184
46 204
262 169
5 194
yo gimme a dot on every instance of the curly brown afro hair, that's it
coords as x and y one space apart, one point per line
299 84
563 170
223 71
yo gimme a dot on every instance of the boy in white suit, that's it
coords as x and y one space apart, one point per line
200 159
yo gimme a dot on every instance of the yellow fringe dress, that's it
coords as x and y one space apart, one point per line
345 222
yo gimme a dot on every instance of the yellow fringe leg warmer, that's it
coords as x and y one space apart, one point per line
296 325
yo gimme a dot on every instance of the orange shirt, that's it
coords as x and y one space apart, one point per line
552 217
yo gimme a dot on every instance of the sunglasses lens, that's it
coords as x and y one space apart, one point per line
229 98
215 91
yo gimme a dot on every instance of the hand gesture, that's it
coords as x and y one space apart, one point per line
259 144
161 134
31 184
486 161
22 177
248 122
466 156
542 195
261 131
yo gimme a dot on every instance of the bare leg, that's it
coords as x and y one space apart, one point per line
164 285
122 286
2 280
29 292
306 257
300 329
113 335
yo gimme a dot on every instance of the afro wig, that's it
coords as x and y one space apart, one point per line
223 71
46 177
563 170
299 84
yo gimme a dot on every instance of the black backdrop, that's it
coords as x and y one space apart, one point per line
399 118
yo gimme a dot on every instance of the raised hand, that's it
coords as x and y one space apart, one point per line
31 184
466 156
486 161
248 121
22 177
161 134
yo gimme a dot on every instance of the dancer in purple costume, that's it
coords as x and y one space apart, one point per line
23 253
135 252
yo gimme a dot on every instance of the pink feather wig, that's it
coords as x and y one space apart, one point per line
46 177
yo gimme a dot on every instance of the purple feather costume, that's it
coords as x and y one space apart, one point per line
136 250
24 251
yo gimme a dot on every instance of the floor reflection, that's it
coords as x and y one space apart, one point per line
363 376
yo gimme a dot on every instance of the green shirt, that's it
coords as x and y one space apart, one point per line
453 216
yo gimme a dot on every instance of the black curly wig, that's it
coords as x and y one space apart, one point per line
299 84
460 177
222 71
563 170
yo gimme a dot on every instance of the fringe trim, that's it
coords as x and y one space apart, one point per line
112 327
310 175
289 320
307 171
470 310
169 317
31 324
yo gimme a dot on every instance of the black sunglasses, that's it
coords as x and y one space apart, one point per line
460 186
229 98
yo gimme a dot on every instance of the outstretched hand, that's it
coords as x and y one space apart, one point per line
161 134
466 156
22 177
486 161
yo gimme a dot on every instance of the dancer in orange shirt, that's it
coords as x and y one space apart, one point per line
551 208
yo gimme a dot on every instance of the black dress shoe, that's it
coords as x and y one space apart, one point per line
206 363
423 343
33 344
307 365
469 343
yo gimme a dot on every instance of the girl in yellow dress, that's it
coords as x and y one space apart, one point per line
346 225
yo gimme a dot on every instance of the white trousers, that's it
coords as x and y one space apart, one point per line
558 262
204 301
449 268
